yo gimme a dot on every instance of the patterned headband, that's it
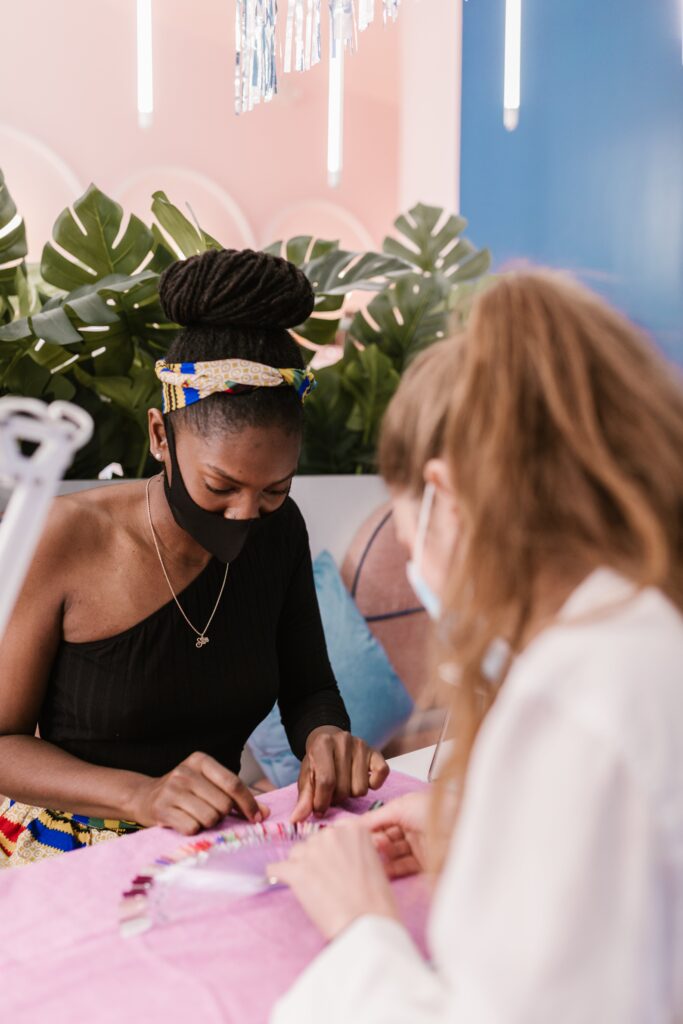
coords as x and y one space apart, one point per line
186 383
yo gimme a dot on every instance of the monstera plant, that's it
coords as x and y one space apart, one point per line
87 324
442 271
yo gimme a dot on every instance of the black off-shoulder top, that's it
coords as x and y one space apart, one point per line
147 698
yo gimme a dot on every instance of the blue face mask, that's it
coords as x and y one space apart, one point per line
430 601
498 654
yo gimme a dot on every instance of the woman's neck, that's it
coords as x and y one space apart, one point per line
552 590
174 542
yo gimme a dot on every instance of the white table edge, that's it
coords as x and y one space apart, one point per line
416 763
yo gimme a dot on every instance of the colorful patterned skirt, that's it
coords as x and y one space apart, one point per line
29 834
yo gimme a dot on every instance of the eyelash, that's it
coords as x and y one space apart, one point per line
231 490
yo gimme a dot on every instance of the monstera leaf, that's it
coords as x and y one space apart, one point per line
186 238
24 377
98 342
109 319
90 329
329 446
135 300
432 243
403 319
321 327
369 376
427 291
334 273
302 249
116 439
29 290
13 247
134 393
92 242
339 272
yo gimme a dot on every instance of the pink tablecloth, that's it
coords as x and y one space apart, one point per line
62 958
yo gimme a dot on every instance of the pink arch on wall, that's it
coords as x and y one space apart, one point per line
321 218
41 183
216 210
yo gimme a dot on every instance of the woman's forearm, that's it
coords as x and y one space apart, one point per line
35 772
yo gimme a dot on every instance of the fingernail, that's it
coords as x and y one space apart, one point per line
258 818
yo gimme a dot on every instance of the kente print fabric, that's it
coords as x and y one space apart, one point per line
29 834
184 384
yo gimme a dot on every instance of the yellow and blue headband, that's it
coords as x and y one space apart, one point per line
184 384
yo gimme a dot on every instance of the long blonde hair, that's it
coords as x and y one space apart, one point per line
564 440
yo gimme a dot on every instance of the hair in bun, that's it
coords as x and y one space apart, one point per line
229 287
236 304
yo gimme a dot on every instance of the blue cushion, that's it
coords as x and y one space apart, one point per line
376 699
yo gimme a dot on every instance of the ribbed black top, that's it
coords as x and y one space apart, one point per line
147 698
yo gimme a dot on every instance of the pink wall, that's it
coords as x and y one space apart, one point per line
430 49
68 82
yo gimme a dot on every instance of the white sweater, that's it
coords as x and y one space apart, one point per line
562 898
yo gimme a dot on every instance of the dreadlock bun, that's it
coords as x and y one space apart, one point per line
238 305
236 288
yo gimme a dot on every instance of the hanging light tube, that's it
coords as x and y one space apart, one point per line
335 108
513 63
145 63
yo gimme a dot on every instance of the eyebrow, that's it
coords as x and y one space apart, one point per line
240 483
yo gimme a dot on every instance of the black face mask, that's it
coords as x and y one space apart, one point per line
223 538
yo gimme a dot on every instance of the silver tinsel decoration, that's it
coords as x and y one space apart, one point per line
391 10
366 14
256 41
303 47
342 26
255 63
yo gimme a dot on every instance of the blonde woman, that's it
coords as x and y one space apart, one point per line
544 515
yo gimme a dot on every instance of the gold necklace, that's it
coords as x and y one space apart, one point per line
202 638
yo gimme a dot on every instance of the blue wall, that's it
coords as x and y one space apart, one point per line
592 179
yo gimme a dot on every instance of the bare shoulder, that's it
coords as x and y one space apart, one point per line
85 526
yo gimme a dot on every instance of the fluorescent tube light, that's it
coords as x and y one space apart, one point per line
145 64
513 63
335 118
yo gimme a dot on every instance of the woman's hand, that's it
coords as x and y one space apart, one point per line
337 766
196 795
337 876
398 831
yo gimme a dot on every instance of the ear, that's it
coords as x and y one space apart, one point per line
157 435
436 472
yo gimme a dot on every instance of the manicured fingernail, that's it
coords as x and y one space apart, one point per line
258 817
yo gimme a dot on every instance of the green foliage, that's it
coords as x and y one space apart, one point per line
12 243
441 272
92 328
87 243
88 326
185 238
433 243
334 273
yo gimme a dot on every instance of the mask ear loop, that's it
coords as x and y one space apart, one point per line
423 523
422 526
173 452
450 674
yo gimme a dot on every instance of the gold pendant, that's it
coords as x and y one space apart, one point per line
201 641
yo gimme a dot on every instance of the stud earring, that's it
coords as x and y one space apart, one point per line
159 457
